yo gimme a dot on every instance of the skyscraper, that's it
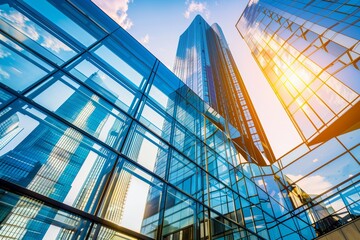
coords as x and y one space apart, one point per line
309 53
99 140
204 62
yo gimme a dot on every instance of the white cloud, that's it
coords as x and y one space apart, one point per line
117 10
4 74
145 39
312 185
196 7
54 44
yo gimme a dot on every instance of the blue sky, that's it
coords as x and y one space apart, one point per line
158 25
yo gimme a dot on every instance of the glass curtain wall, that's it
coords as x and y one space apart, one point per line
309 52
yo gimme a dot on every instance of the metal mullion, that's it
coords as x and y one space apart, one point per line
60 119
7 104
178 189
16 189
323 165
319 196
127 136
45 60
167 173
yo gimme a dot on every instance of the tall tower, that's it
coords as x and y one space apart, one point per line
204 62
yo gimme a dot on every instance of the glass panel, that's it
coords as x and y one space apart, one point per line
62 21
330 175
25 218
5 97
186 176
36 36
320 108
221 228
15 68
156 120
106 85
180 216
163 95
46 157
130 69
341 89
133 200
314 159
144 148
221 198
189 145
78 105
218 167
190 118
332 99
304 123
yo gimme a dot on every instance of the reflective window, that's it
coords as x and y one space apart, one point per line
133 200
179 216
189 145
25 218
62 21
17 25
83 108
146 149
330 175
163 95
186 176
156 120
47 157
15 66
314 159
106 85
221 198
5 97
125 65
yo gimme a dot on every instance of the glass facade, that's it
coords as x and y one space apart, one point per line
309 52
204 62
99 140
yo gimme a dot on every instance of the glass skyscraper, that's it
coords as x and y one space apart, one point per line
204 62
309 53
99 140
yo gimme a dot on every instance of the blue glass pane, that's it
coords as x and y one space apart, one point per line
129 69
57 17
147 150
15 68
133 199
34 220
15 22
47 157
84 109
5 97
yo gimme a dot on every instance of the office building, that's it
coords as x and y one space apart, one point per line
204 62
99 140
309 53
